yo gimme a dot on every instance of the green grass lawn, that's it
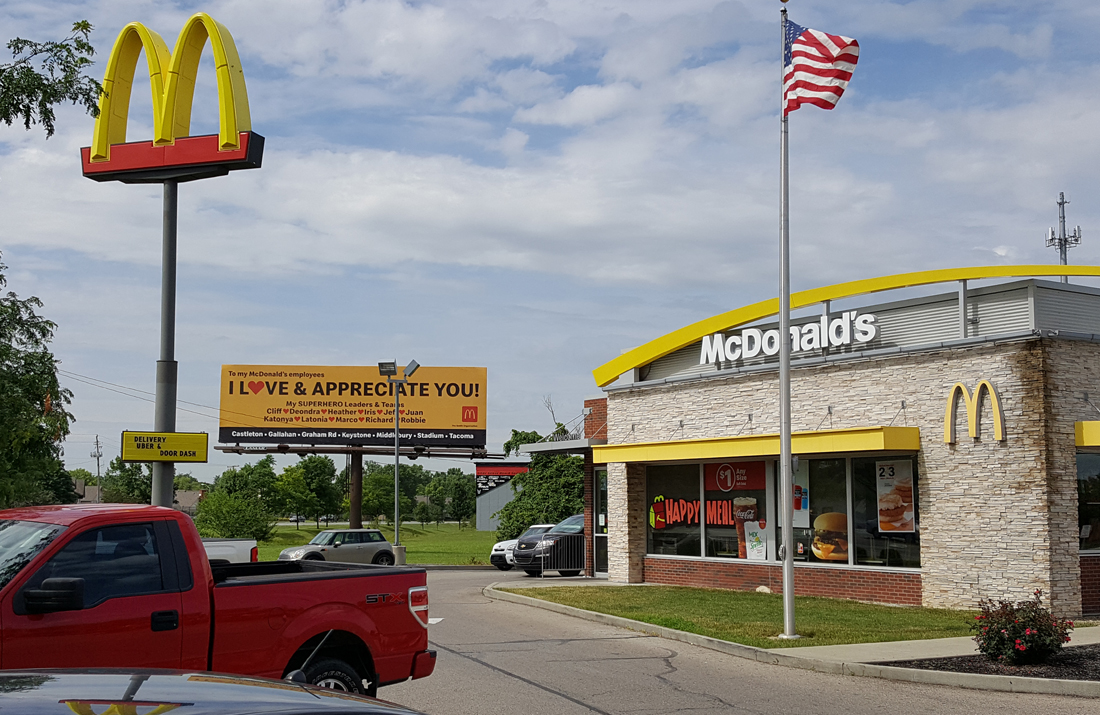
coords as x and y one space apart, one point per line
431 544
755 618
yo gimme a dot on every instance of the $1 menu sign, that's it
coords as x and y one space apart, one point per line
273 404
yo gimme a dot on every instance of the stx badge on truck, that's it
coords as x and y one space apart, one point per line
385 598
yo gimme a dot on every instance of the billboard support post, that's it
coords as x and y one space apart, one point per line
164 419
355 491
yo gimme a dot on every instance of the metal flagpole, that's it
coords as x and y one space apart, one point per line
786 488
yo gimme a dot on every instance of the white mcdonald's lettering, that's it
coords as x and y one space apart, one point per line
973 411
844 329
172 81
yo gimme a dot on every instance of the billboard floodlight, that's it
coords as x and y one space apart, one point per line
411 368
387 368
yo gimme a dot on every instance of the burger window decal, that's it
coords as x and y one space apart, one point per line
831 537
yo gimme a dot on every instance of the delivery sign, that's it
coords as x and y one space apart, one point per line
273 404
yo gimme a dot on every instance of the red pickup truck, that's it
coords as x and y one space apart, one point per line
122 585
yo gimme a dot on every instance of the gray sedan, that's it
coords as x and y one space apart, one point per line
355 546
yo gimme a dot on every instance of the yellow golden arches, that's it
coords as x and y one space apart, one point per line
609 372
172 84
973 404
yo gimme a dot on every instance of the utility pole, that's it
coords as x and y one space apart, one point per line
98 454
1062 241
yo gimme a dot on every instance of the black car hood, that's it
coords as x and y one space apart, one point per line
46 692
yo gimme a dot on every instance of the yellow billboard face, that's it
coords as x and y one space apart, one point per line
164 447
273 404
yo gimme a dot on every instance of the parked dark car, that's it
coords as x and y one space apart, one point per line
64 692
561 549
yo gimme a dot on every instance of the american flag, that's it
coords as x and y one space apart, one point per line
817 67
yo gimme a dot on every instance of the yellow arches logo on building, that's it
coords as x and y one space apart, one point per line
973 404
645 354
172 83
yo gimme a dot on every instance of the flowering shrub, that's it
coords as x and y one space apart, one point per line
1019 633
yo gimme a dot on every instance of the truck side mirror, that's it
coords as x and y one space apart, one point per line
55 594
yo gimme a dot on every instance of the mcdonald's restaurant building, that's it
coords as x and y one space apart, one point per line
947 447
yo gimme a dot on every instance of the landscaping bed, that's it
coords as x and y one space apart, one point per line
1073 663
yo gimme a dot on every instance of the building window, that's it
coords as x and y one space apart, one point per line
673 498
735 501
885 518
821 511
1088 500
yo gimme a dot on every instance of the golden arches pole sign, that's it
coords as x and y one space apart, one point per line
173 153
643 355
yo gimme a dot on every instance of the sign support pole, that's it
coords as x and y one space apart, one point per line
397 461
164 419
355 491
786 488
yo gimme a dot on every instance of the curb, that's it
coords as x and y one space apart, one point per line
974 681
455 567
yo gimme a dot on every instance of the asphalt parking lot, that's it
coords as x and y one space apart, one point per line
497 657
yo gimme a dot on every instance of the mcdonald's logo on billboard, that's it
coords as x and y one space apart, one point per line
173 153
973 404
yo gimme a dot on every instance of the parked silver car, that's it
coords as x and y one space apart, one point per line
355 546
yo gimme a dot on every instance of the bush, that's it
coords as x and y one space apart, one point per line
1019 633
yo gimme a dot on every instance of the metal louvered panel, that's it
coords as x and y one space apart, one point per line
997 313
1070 310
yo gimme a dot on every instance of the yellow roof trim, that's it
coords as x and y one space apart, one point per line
609 372
834 441
1087 434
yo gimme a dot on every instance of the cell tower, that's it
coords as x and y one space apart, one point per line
1062 241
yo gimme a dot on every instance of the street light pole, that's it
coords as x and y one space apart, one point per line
389 370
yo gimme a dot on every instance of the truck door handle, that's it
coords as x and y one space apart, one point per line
165 620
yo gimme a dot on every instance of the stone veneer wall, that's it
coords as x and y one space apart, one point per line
626 522
994 523
1073 369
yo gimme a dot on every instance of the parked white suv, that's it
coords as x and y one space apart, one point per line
501 555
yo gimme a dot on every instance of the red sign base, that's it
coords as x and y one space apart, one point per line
189 158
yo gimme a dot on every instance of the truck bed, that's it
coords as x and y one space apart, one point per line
267 572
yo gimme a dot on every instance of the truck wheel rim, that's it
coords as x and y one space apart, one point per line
333 684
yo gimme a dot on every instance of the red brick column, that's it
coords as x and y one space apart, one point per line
1090 584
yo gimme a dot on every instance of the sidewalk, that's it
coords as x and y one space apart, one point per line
912 650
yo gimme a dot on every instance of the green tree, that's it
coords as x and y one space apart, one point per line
551 489
43 74
455 493
236 515
319 474
426 512
186 482
378 489
257 481
84 474
33 415
127 483
294 495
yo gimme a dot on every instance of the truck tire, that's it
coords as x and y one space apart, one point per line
336 675
532 572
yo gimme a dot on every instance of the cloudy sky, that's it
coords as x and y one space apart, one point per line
534 186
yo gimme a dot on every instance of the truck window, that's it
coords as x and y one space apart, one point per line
114 561
20 541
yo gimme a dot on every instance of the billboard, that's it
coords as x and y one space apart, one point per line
281 404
